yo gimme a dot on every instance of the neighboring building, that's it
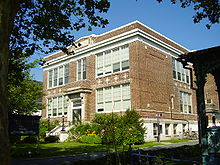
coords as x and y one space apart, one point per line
131 67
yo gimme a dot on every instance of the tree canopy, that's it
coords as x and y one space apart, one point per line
30 25
204 9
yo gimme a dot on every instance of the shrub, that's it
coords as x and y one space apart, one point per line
89 139
51 139
30 139
119 130
45 126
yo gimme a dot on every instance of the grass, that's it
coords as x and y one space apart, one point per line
20 151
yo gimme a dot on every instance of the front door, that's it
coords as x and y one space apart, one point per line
77 114
76 108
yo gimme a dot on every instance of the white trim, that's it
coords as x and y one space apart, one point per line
124 38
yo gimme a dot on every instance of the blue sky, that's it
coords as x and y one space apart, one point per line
170 20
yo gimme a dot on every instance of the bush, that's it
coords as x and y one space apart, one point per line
30 139
51 139
45 126
119 130
90 139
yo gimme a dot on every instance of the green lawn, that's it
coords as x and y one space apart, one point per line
20 151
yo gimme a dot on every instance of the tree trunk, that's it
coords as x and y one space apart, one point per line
8 9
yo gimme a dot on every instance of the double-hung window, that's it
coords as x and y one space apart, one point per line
113 98
57 106
179 73
66 74
61 75
117 97
50 78
58 76
81 69
100 100
55 77
185 102
112 61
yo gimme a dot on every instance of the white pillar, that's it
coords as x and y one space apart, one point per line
82 95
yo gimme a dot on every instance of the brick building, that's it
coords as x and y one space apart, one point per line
131 67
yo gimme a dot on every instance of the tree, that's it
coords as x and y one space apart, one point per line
24 99
29 25
209 9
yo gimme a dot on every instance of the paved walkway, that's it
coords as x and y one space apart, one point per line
66 160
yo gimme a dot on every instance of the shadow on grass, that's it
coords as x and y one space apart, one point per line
25 151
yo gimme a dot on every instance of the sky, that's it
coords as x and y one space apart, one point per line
168 19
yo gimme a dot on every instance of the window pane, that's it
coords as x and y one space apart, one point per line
49 101
55 106
125 65
108 106
117 92
124 52
84 69
66 80
116 67
55 77
50 78
65 104
108 94
126 91
61 75
60 105
126 104
100 71
117 105
167 126
100 95
79 70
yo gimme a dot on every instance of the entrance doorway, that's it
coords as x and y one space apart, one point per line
76 108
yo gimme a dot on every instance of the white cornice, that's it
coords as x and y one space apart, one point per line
124 38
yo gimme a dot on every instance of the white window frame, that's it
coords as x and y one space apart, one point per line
119 100
81 64
56 82
179 73
50 104
185 100
118 55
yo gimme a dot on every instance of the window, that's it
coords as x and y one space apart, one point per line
174 129
113 98
55 77
117 97
185 102
57 106
49 108
58 76
61 75
81 69
66 74
155 129
179 73
126 100
100 103
184 128
60 105
112 61
65 106
100 64
108 99
167 127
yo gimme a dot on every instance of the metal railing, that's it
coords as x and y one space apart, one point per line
145 159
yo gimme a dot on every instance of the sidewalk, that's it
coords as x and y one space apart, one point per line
66 160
